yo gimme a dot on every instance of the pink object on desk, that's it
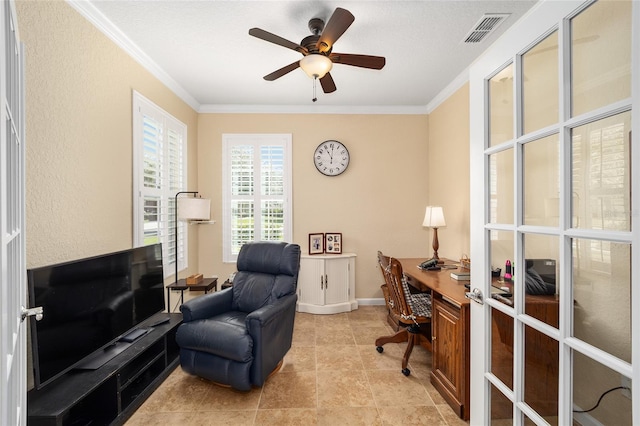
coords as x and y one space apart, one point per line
507 270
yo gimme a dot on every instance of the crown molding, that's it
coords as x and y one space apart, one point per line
104 25
449 90
313 109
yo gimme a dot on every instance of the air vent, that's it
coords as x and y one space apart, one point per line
484 27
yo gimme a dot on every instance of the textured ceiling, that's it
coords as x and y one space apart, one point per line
203 50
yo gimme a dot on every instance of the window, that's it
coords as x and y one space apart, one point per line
256 190
159 169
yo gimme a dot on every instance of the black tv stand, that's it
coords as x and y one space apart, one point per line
100 358
110 394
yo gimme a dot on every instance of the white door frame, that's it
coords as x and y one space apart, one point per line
13 288
537 22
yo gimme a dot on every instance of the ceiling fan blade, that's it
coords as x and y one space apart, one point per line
327 83
337 25
272 38
282 71
363 61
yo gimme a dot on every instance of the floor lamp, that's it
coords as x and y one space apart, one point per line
434 218
190 208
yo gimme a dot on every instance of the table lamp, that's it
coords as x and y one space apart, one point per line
434 218
190 208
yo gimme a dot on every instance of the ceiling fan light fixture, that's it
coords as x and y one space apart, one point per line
316 65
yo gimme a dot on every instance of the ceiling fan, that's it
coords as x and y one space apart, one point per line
317 50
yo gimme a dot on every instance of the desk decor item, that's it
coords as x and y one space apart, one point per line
316 243
434 218
195 279
461 274
333 243
507 271
331 158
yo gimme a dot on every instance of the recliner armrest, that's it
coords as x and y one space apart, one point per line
269 312
271 328
207 305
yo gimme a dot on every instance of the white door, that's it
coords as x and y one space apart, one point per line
311 281
337 280
13 389
552 166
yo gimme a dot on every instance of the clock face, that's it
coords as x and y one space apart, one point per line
331 158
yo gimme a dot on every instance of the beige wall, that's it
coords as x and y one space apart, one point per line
79 137
448 172
79 159
377 203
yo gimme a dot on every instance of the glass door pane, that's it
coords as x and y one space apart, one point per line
501 408
600 55
541 374
542 182
540 85
542 287
501 107
592 381
501 187
502 348
601 174
602 293
502 257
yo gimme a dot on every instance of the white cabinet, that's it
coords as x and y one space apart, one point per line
326 283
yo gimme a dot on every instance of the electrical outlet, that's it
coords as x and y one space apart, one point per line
626 382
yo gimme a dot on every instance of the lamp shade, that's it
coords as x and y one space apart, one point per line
434 217
194 208
316 65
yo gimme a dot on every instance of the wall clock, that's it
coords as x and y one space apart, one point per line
331 158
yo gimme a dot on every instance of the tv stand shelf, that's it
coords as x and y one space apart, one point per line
112 393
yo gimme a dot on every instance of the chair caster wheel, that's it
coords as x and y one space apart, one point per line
379 349
406 371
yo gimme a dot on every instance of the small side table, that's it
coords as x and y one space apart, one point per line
206 285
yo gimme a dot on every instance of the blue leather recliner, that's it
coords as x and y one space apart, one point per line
239 335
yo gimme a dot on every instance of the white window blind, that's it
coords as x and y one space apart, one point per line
160 143
256 190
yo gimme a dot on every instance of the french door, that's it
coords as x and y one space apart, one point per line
553 109
13 358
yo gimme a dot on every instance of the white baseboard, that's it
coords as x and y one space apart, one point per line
371 302
584 419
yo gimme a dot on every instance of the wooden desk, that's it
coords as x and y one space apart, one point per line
450 319
450 329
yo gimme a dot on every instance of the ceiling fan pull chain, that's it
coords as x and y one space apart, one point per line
314 89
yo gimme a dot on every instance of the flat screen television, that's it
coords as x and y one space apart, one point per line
89 305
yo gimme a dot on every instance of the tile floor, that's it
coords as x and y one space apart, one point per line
332 375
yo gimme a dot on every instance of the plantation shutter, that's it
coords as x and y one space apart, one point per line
160 171
257 190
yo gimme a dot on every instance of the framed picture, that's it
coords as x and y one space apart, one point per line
333 242
316 243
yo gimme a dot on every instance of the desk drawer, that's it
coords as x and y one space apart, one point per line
448 373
